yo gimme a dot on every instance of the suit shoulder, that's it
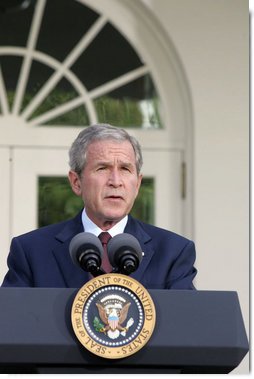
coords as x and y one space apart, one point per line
161 233
42 231
48 231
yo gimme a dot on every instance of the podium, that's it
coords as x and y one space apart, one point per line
195 332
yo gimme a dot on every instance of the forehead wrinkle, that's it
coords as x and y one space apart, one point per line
107 154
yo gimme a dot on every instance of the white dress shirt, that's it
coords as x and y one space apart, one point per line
91 227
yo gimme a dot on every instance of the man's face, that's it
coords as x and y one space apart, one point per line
109 182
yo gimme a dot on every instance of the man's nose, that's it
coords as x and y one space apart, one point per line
115 178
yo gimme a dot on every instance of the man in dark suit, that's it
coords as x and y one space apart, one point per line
105 170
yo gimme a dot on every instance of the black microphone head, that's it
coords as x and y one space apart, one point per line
86 251
124 252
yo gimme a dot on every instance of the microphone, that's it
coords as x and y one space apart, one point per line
125 253
86 252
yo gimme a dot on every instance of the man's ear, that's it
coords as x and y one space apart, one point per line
140 177
75 182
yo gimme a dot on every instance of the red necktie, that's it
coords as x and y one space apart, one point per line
104 237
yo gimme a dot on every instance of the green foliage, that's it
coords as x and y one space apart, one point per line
98 326
143 208
57 202
76 117
154 117
119 112
124 112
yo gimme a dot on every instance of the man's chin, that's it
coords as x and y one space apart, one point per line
114 217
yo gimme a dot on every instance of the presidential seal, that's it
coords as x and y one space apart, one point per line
113 316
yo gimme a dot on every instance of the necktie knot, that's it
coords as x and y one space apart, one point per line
104 237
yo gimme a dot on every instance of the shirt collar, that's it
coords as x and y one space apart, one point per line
91 227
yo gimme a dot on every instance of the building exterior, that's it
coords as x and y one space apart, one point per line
175 73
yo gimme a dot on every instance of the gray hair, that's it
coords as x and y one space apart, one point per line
97 132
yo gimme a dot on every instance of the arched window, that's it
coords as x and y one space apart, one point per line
72 67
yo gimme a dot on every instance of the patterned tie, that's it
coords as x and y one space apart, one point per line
104 237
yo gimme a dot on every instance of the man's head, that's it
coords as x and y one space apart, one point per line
100 132
105 164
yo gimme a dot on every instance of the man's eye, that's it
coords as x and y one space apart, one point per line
126 168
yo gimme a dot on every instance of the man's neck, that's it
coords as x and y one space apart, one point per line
112 227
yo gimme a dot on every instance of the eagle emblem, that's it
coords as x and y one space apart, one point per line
113 312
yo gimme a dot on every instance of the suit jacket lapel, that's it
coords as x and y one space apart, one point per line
134 227
73 275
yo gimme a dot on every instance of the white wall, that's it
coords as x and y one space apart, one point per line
211 37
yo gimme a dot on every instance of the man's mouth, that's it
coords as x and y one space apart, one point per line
114 197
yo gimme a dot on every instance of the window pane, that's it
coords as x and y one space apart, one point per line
10 66
143 208
133 105
64 23
15 22
57 202
108 56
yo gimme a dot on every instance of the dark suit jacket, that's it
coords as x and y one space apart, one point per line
41 258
